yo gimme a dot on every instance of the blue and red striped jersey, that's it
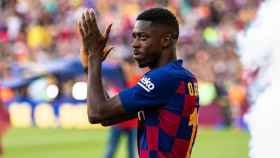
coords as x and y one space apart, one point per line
167 103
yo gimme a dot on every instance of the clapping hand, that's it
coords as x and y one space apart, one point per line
93 42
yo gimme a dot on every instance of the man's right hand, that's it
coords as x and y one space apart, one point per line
84 56
91 36
92 40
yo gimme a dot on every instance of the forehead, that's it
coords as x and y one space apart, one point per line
143 26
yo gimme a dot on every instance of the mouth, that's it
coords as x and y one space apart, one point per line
137 55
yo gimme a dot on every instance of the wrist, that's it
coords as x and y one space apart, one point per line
95 54
85 69
84 58
94 64
83 49
94 57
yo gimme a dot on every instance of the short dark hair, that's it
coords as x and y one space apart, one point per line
161 16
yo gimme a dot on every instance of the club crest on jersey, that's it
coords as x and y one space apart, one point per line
146 83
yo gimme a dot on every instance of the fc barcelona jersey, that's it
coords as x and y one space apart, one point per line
167 103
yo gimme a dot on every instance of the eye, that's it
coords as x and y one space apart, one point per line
143 37
133 35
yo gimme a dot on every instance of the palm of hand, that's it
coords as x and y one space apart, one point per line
93 42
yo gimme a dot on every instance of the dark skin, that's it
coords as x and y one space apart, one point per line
152 47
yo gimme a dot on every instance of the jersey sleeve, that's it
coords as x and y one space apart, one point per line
152 90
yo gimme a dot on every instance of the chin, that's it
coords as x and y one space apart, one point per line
142 65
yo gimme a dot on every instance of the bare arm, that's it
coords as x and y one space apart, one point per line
119 119
100 109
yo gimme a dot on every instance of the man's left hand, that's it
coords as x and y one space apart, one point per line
93 41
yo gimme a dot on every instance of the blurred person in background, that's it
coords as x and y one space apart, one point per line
204 24
261 62
222 101
64 95
237 99
166 97
22 97
127 128
4 123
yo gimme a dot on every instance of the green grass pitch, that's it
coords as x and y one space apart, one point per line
91 143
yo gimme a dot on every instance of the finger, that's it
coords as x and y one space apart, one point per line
81 29
77 27
91 10
107 32
88 20
84 25
93 23
92 17
82 36
106 52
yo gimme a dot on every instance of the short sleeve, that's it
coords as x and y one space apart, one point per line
152 90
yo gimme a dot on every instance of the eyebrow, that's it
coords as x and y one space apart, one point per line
139 33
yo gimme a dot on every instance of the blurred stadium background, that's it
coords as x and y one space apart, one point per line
44 88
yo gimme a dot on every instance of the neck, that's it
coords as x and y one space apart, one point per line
165 58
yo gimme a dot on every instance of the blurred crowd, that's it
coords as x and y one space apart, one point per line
35 32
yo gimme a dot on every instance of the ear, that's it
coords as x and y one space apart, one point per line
166 40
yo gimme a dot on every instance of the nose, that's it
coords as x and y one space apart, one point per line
135 43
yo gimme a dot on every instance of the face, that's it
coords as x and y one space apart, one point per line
146 44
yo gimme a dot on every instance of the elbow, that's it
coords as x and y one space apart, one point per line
105 124
95 118
99 117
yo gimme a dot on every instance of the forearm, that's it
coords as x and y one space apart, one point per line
94 43
118 119
95 92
